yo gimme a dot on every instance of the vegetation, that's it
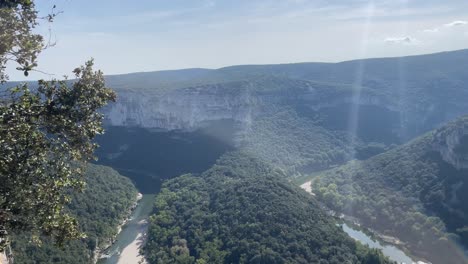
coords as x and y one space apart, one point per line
243 211
46 134
295 143
410 192
19 43
99 210
300 140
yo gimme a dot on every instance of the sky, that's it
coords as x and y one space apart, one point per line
126 36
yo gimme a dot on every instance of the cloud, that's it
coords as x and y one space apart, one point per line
456 23
432 30
448 25
402 40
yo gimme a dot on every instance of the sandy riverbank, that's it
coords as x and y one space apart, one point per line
131 253
127 245
3 259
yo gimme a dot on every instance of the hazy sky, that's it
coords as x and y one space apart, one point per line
147 35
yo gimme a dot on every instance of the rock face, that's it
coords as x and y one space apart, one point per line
194 107
191 108
423 91
453 145
182 109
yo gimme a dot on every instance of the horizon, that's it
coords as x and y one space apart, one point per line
124 37
271 64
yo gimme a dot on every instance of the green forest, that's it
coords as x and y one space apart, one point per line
244 211
103 205
410 192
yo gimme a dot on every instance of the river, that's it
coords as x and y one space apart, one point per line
390 251
126 248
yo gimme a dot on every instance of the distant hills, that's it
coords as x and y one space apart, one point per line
414 68
413 94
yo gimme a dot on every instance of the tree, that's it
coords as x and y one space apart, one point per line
18 42
46 133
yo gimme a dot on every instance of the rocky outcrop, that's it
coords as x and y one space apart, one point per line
452 144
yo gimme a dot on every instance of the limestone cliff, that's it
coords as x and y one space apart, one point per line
243 102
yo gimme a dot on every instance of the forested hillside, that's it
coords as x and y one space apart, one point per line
417 192
100 209
243 211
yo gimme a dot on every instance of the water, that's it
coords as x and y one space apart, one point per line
131 230
392 252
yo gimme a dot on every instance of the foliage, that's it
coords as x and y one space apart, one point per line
295 143
410 192
243 211
102 206
18 42
45 136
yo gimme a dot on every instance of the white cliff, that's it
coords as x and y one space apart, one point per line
179 109
243 101
191 108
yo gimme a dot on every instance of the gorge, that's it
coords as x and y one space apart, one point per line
219 128
296 116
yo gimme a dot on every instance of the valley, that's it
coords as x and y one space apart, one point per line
408 192
226 143
233 132
300 124
149 158
391 247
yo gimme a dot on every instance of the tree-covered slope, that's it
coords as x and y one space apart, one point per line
417 192
242 211
100 209
294 142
